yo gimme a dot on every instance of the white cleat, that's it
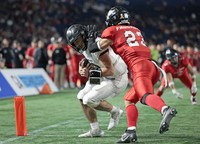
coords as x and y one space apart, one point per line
92 133
193 100
114 119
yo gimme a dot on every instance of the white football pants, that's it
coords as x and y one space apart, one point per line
92 94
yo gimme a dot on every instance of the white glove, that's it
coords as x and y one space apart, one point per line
194 87
177 94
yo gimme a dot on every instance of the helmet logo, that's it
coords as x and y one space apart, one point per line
126 15
121 16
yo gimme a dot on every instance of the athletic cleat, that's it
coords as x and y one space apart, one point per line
169 113
193 100
114 119
128 137
92 133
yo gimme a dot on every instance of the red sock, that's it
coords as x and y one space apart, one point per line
155 102
159 93
132 115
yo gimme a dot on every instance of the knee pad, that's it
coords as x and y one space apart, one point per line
91 102
143 99
80 95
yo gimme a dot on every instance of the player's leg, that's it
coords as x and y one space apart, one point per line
96 99
56 75
115 113
130 99
161 88
187 81
145 79
90 114
62 76
120 84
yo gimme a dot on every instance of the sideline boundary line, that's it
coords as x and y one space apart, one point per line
39 130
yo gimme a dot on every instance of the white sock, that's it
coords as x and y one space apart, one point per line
132 128
94 125
114 109
163 108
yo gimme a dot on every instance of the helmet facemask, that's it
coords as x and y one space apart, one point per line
174 59
76 36
79 44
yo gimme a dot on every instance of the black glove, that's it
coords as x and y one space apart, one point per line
84 62
92 35
92 31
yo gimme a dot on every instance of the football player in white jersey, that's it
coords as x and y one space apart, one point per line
107 77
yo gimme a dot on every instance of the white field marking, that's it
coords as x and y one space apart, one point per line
40 130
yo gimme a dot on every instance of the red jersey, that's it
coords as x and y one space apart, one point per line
128 43
176 72
30 51
51 47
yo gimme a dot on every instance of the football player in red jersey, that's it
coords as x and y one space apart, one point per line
177 66
127 41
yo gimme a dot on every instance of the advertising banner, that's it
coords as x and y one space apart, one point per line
23 82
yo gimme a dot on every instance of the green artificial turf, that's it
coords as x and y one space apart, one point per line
58 119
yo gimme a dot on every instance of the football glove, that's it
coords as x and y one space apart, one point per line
91 37
92 31
84 62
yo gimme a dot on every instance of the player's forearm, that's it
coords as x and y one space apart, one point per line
99 45
93 46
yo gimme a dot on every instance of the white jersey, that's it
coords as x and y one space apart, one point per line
119 65
110 86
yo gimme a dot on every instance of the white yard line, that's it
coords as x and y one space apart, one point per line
40 130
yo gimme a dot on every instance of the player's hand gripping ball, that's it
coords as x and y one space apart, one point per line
84 63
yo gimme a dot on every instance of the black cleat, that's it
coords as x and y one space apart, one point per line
128 137
169 113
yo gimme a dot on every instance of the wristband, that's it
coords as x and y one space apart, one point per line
193 76
171 84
